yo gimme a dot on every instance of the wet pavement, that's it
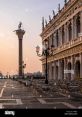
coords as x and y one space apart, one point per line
15 95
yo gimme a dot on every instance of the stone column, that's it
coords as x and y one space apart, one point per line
65 30
20 33
67 36
55 39
72 67
20 58
53 74
60 36
81 20
50 40
80 65
75 28
62 68
65 68
72 23
59 70
50 71
55 70
64 35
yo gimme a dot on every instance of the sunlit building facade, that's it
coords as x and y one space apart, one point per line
64 31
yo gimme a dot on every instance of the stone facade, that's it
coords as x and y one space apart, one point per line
64 31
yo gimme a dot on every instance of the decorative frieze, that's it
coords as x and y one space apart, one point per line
72 51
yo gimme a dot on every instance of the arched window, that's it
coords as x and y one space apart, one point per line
78 25
56 72
70 31
77 69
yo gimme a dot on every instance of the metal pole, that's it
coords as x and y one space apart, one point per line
46 81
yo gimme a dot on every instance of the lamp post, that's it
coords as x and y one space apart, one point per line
46 52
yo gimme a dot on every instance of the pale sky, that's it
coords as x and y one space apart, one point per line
30 13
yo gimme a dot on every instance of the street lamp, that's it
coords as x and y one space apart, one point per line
45 52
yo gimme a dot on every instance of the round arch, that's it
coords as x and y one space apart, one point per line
78 25
77 69
56 71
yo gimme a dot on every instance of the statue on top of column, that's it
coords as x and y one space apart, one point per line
19 26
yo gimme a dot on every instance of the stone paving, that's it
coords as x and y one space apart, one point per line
15 94
53 88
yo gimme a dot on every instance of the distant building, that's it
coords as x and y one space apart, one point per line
64 31
1 75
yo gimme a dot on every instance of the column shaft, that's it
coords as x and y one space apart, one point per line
59 70
75 28
50 71
72 22
67 36
20 57
65 68
72 74
80 65
55 70
81 20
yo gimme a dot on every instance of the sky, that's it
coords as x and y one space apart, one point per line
30 13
